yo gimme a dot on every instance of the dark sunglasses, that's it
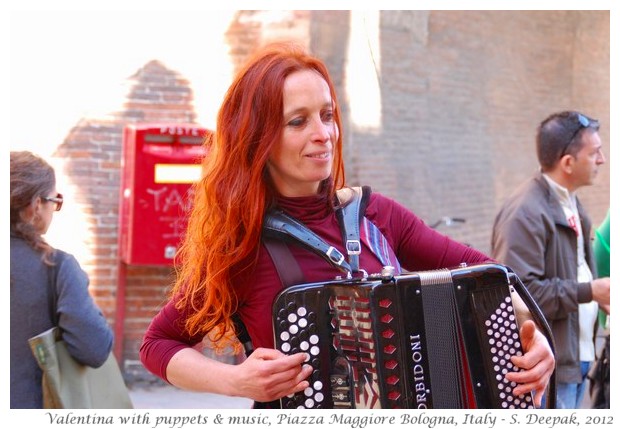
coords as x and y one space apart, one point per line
584 122
56 200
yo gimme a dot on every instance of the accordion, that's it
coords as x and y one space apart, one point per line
430 339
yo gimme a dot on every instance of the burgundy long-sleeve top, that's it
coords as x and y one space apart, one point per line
416 245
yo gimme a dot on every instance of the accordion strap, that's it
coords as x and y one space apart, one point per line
543 325
286 265
350 211
290 274
279 224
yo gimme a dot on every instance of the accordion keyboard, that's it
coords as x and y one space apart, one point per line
502 335
299 333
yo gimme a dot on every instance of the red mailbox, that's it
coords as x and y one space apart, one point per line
159 164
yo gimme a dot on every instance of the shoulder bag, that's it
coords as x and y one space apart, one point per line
69 384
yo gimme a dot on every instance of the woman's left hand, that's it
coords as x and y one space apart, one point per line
537 363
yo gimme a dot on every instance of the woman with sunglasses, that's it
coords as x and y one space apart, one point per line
35 265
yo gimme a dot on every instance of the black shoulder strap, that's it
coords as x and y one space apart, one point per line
280 226
544 327
288 269
290 274
52 298
352 204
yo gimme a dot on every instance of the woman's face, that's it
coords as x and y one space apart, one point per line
43 213
304 155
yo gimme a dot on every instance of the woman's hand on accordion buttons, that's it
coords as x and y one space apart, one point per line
269 374
537 363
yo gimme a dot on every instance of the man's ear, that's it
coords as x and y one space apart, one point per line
567 163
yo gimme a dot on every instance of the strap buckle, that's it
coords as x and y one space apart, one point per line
335 255
354 247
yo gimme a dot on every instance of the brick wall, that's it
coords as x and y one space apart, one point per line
90 155
91 159
461 94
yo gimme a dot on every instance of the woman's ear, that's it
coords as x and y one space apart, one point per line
31 212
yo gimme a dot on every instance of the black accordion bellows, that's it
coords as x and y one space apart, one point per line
434 339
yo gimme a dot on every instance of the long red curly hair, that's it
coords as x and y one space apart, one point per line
225 223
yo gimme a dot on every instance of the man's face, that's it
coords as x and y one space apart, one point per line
587 160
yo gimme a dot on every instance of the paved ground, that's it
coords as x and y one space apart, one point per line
162 397
165 396
168 397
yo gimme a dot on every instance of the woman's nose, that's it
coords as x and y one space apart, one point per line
321 131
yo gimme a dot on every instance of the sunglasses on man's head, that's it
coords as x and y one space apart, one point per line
57 200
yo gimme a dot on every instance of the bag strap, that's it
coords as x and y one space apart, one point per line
52 298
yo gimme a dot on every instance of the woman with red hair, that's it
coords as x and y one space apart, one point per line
278 144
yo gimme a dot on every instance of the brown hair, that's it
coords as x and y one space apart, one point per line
226 219
31 178
559 134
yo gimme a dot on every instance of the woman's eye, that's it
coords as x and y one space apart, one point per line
328 116
296 122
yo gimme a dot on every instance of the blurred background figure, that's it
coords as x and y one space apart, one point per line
599 374
34 266
600 246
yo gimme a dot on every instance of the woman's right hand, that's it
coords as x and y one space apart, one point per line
265 376
268 374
